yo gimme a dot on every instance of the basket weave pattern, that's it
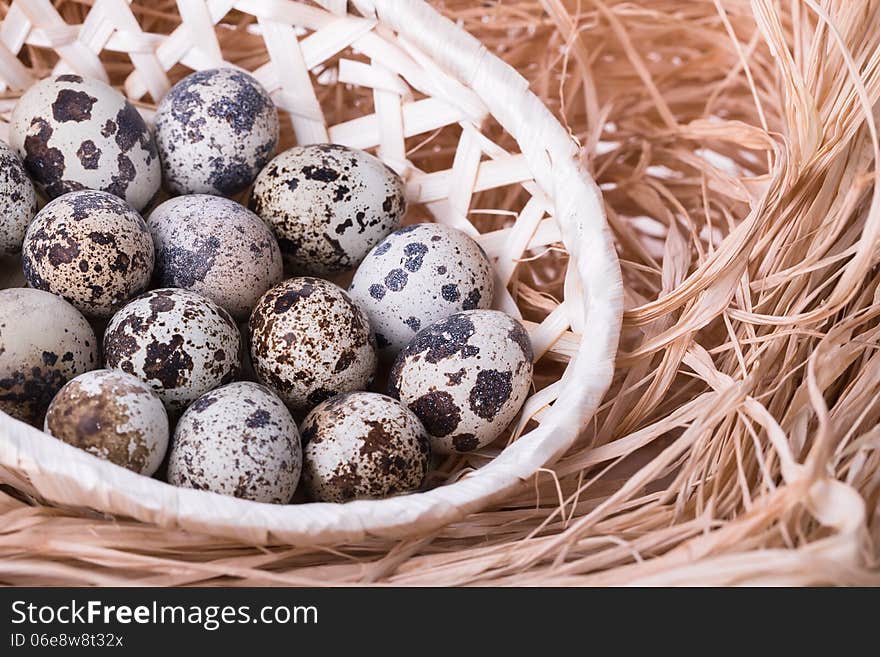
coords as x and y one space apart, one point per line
736 147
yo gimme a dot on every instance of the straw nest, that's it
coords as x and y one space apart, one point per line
736 146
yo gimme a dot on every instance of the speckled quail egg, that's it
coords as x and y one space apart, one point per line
309 341
238 440
44 342
178 341
328 205
78 133
363 445
114 416
18 202
418 275
215 129
216 247
466 377
90 247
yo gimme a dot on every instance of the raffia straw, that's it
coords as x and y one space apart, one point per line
736 146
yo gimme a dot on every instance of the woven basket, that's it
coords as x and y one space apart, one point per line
425 76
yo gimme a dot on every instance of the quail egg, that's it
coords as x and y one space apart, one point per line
44 342
238 440
78 133
178 341
216 129
310 342
18 202
363 445
216 247
91 248
114 416
466 377
328 205
418 275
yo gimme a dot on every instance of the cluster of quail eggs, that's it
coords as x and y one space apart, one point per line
184 339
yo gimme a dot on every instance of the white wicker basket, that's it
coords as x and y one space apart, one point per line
425 74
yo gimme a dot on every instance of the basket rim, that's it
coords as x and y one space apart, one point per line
68 476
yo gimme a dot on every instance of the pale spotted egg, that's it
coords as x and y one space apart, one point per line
363 445
418 275
465 377
328 205
179 342
76 133
237 440
114 416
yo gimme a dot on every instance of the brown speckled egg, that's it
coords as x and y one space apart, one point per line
44 342
309 341
328 205
78 133
416 276
178 341
18 202
466 377
114 416
215 129
238 440
363 445
91 248
216 247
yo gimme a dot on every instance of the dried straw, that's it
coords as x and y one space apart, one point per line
737 149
